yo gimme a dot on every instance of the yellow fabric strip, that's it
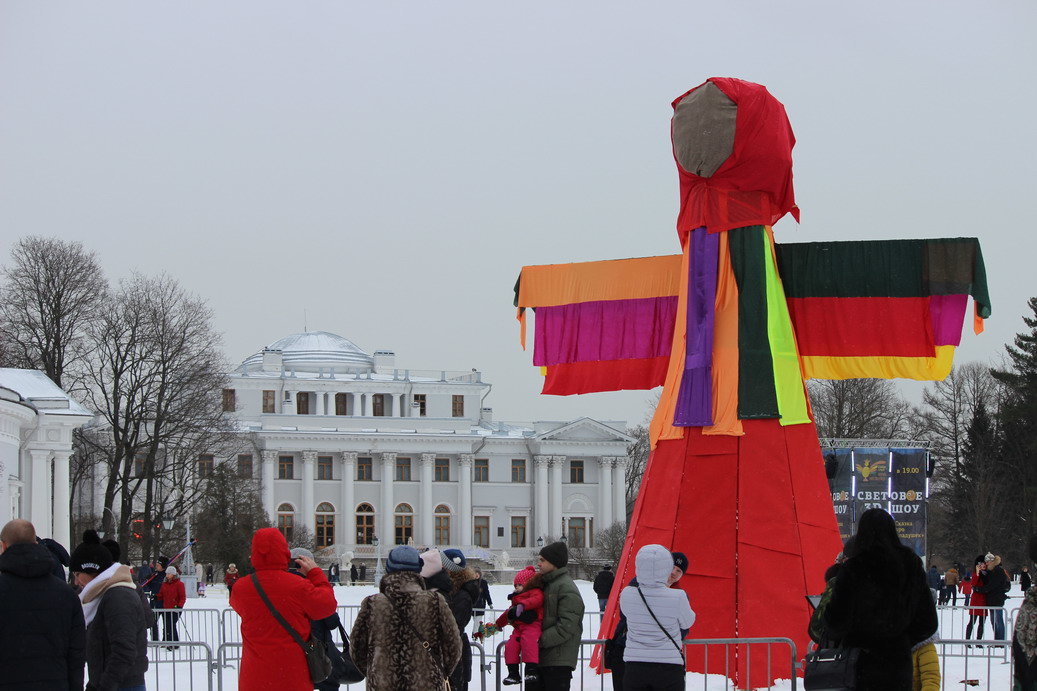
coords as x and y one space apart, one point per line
882 367
661 426
788 378
619 279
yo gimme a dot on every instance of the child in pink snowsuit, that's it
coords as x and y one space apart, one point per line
525 615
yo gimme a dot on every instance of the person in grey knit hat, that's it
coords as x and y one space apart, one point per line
403 558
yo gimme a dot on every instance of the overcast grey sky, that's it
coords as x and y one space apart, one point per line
389 166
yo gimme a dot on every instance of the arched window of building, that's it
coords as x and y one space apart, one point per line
364 524
404 524
442 524
286 520
325 524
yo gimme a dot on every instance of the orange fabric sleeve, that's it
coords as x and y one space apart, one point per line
619 279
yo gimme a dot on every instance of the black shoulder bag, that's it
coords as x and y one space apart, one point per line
316 657
343 669
831 669
675 643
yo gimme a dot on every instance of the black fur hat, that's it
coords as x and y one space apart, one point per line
90 556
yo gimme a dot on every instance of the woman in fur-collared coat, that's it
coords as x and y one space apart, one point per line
881 602
392 626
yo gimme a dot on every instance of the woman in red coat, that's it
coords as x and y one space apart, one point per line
172 596
979 573
272 659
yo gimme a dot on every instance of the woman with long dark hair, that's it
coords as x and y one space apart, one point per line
881 603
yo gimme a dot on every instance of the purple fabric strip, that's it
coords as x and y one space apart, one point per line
948 314
695 397
604 330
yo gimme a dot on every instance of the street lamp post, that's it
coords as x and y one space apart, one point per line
378 560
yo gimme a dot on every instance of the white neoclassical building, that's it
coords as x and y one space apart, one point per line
351 446
36 423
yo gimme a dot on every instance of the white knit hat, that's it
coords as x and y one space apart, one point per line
171 571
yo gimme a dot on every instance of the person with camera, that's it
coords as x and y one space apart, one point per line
272 660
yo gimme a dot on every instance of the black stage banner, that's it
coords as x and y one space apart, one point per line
908 496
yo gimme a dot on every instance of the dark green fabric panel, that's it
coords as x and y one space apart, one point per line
871 268
885 268
756 395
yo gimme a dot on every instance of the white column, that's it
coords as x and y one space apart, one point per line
363 404
62 528
555 528
269 473
347 538
6 511
321 409
402 409
605 500
427 534
40 512
388 508
619 489
541 510
309 474
464 503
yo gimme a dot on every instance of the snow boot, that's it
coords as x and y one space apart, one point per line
513 675
532 677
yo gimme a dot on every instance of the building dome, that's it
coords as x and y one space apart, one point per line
313 351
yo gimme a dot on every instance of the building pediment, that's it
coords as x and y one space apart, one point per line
584 430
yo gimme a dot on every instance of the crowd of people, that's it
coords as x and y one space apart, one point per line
414 633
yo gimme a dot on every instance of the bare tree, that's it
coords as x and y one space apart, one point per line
52 292
637 455
859 409
610 541
156 378
948 407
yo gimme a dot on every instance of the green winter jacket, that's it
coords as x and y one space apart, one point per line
563 621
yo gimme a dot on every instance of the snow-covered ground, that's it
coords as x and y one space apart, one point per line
213 622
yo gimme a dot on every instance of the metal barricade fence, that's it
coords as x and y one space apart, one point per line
977 662
223 661
781 667
228 655
180 666
190 624
954 622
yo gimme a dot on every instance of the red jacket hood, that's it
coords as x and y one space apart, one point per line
270 550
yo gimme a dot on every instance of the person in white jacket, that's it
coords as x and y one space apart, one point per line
658 618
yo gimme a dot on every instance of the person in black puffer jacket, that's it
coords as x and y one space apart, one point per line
42 634
463 596
116 627
881 602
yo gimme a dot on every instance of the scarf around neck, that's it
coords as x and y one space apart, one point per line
116 575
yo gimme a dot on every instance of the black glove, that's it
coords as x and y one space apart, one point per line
513 613
528 617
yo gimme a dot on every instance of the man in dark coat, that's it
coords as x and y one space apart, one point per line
996 589
1024 579
353 575
482 602
59 553
321 629
563 621
151 588
42 634
603 586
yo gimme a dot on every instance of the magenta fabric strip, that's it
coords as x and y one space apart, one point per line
604 330
695 397
948 314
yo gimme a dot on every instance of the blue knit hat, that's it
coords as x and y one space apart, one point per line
403 558
453 560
